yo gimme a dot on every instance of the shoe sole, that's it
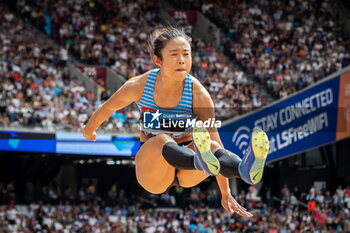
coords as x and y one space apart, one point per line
208 161
260 146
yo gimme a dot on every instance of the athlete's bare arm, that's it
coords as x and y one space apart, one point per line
130 92
203 106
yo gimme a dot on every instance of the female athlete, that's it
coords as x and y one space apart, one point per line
174 148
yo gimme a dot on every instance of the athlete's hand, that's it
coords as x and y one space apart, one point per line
87 135
231 205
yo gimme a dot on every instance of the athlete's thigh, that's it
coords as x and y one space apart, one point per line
152 171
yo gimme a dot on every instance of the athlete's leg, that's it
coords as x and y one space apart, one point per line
159 156
180 157
153 172
250 169
157 160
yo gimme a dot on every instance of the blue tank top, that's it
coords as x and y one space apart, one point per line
174 122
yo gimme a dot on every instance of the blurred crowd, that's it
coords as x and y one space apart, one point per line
318 210
115 194
108 33
37 90
115 34
285 45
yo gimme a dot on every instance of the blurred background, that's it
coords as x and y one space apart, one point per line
280 65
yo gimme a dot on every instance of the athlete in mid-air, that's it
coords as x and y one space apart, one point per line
172 153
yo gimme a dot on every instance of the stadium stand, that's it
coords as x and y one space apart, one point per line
55 211
278 55
37 90
103 37
284 45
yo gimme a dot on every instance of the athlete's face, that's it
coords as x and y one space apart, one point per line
176 59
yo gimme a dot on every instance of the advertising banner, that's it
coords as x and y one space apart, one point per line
68 143
298 123
27 141
75 143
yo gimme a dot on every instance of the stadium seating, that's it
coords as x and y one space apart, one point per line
107 37
36 89
285 46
